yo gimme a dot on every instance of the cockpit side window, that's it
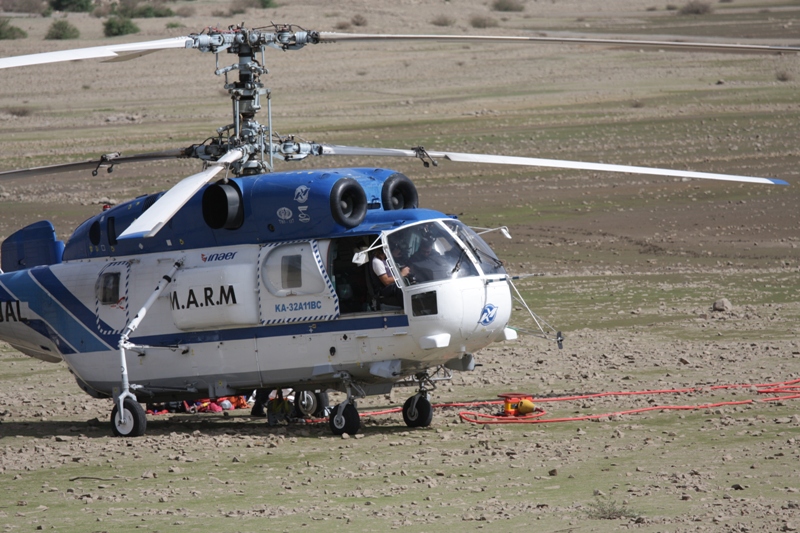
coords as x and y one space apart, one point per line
430 252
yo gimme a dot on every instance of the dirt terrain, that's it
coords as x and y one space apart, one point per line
628 267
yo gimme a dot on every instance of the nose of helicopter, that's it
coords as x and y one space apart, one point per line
461 315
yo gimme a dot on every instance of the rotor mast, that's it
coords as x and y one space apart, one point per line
245 132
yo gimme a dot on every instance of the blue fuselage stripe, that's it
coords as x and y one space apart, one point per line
5 296
69 301
72 329
281 330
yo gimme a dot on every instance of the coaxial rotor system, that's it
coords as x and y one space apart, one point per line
246 147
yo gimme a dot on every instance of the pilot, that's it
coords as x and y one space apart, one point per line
426 263
390 294
401 261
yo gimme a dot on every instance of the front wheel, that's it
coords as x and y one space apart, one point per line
421 415
135 419
348 422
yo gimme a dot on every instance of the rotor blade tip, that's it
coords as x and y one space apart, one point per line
778 182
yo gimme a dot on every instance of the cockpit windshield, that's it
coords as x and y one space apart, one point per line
487 259
430 252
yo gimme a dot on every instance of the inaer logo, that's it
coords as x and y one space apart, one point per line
301 194
217 257
488 314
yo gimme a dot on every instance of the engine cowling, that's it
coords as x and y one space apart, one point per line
399 192
223 206
348 202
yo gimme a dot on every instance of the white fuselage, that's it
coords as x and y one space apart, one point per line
241 317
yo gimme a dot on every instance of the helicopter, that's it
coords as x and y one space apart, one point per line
264 279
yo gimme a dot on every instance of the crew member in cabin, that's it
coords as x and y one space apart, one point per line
390 294
427 263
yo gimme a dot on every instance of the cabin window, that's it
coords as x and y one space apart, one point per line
111 228
94 233
292 269
108 288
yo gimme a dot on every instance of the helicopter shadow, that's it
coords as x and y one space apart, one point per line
207 424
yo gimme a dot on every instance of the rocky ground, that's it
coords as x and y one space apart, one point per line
629 269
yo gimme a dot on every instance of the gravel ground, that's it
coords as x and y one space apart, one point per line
630 268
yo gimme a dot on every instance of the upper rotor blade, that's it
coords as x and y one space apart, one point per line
537 162
115 51
332 37
151 221
105 161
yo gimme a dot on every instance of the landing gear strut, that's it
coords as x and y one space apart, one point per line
418 411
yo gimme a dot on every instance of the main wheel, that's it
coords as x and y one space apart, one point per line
419 417
348 422
309 404
135 419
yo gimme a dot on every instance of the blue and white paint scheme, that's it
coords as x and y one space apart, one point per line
266 294
263 280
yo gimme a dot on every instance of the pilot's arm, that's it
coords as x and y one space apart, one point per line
379 267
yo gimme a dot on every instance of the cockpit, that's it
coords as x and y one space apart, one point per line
428 252
440 250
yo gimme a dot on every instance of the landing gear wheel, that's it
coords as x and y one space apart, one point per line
422 414
135 419
309 404
348 422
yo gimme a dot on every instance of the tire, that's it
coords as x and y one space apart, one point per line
309 404
348 423
422 415
322 404
135 419
305 404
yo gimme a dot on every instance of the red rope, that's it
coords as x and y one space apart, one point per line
535 418
787 390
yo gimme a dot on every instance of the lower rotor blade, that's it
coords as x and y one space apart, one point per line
151 221
537 162
107 160
111 51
